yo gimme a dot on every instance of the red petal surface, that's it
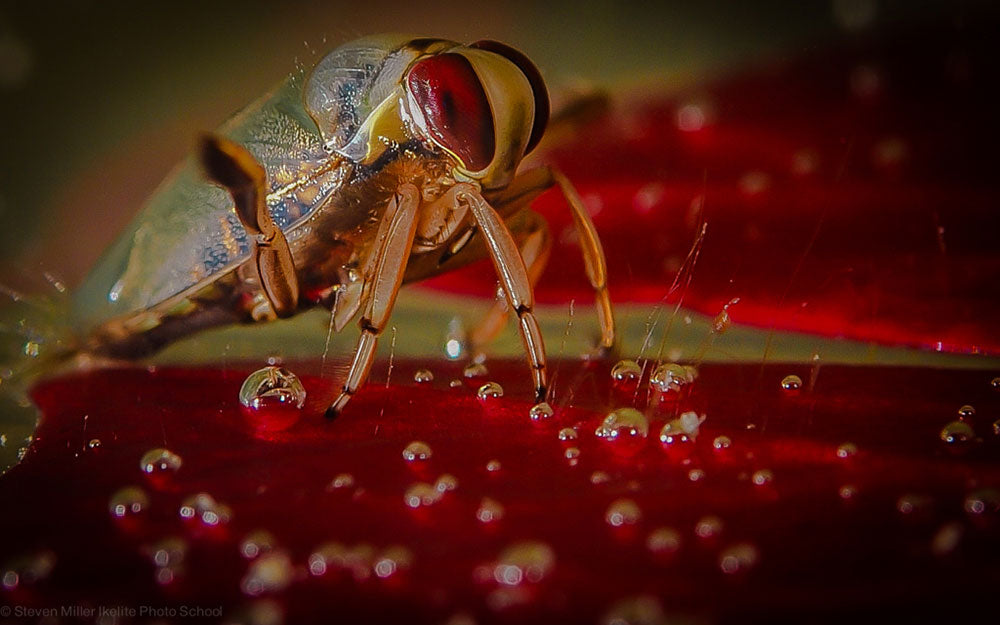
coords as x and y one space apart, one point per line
850 194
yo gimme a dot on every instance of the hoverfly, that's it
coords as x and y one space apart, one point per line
394 159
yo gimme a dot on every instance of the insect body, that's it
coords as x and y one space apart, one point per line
394 160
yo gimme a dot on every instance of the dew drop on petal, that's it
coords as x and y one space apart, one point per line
848 492
912 503
128 502
622 512
168 552
966 412
488 391
489 510
271 572
567 434
708 527
493 466
847 450
341 480
421 494
203 508
417 451
159 462
256 543
957 433
599 477
525 561
475 370
791 383
639 610
722 442
94 443
447 482
763 477
738 558
663 541
393 559
272 387
947 539
671 377
625 372
623 424
696 475
572 453
995 384
423 376
540 412
982 502
721 322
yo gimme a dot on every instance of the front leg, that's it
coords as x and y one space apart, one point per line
389 265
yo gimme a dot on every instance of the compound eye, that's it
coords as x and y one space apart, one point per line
455 108
534 79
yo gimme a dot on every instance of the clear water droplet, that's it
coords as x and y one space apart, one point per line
982 502
493 466
272 387
256 543
722 442
541 412
623 424
447 482
622 512
423 376
847 492
911 503
721 322
393 559
341 480
847 450
791 383
168 552
738 558
572 453
488 391
475 370
708 527
696 475
26 569
455 384
417 451
682 429
763 477
272 572
94 443
567 434
640 610
663 541
203 508
626 372
966 412
128 502
957 433
995 384
672 378
421 494
525 561
599 477
160 463
489 510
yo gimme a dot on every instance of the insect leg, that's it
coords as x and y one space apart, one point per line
514 279
232 167
387 275
593 258
536 245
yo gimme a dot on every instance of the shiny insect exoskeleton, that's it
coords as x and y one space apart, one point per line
394 159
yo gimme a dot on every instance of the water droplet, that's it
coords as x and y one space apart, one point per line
708 527
738 558
128 502
995 383
94 443
982 502
966 412
947 539
663 541
721 322
160 464
540 412
447 482
392 559
272 387
722 442
493 466
626 372
271 572
455 383
599 477
417 451
641 610
957 433
168 552
996 427
27 569
762 477
623 424
572 453
847 450
848 491
489 510
205 509
682 429
475 370
342 480
791 383
421 494
326 556
567 434
696 475
526 561
423 376
911 503
488 391
671 377
622 512
255 543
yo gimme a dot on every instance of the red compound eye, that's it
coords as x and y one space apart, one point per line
455 107
534 78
